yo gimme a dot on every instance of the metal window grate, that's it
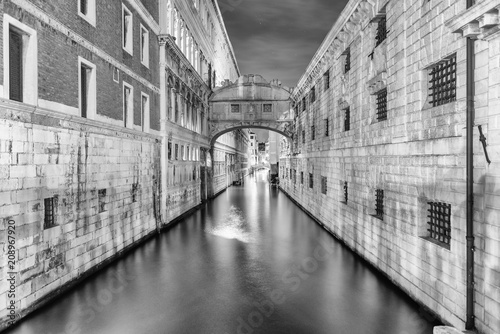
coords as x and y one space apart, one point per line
235 108
268 107
347 62
327 126
381 31
313 132
304 103
301 177
443 82
303 136
323 184
327 79
135 188
379 203
346 198
49 214
439 222
382 105
347 120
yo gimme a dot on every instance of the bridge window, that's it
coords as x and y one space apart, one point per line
311 180
323 184
268 107
50 205
440 223
442 82
382 105
235 108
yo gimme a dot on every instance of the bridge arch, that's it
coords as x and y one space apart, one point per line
251 102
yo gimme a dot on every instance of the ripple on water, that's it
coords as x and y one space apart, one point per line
231 226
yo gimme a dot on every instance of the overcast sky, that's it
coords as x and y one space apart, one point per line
278 38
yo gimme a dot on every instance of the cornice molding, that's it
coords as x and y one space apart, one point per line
478 22
145 15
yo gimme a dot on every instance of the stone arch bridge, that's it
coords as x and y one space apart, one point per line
251 102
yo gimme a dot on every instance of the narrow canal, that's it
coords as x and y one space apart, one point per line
248 262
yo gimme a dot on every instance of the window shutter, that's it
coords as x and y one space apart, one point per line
15 66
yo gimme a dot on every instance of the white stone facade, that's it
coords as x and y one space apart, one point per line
346 149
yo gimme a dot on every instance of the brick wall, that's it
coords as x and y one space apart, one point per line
417 155
45 156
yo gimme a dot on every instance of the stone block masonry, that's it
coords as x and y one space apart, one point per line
103 181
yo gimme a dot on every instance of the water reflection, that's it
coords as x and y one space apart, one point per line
248 262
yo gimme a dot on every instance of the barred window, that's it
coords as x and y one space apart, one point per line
382 105
443 82
101 195
346 188
135 190
311 180
303 136
301 177
304 103
169 150
235 108
268 107
440 222
327 126
323 184
313 132
347 61
326 78
379 203
50 205
381 31
294 176
347 119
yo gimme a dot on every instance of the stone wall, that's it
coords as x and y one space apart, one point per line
416 155
104 182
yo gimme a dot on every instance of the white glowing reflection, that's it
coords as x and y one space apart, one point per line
232 226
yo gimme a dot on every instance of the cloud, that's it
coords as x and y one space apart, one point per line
278 38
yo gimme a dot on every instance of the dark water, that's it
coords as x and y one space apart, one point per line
248 262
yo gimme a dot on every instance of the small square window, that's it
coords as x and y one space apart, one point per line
235 108
440 223
268 107
50 207
101 200
127 33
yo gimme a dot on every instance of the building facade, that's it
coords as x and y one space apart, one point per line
103 133
380 154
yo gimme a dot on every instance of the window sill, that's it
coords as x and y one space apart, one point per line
436 242
378 217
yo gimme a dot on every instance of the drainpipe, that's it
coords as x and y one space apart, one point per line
470 322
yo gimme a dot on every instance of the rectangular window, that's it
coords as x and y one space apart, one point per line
128 104
443 82
50 205
304 104
84 74
379 203
135 190
347 120
169 150
294 176
301 177
182 153
144 112
326 78
440 223
15 66
327 127
313 132
127 27
347 61
87 88
323 185
311 180
176 151
313 94
303 136
144 46
381 31
101 200
235 108
346 193
268 107
382 105
86 10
